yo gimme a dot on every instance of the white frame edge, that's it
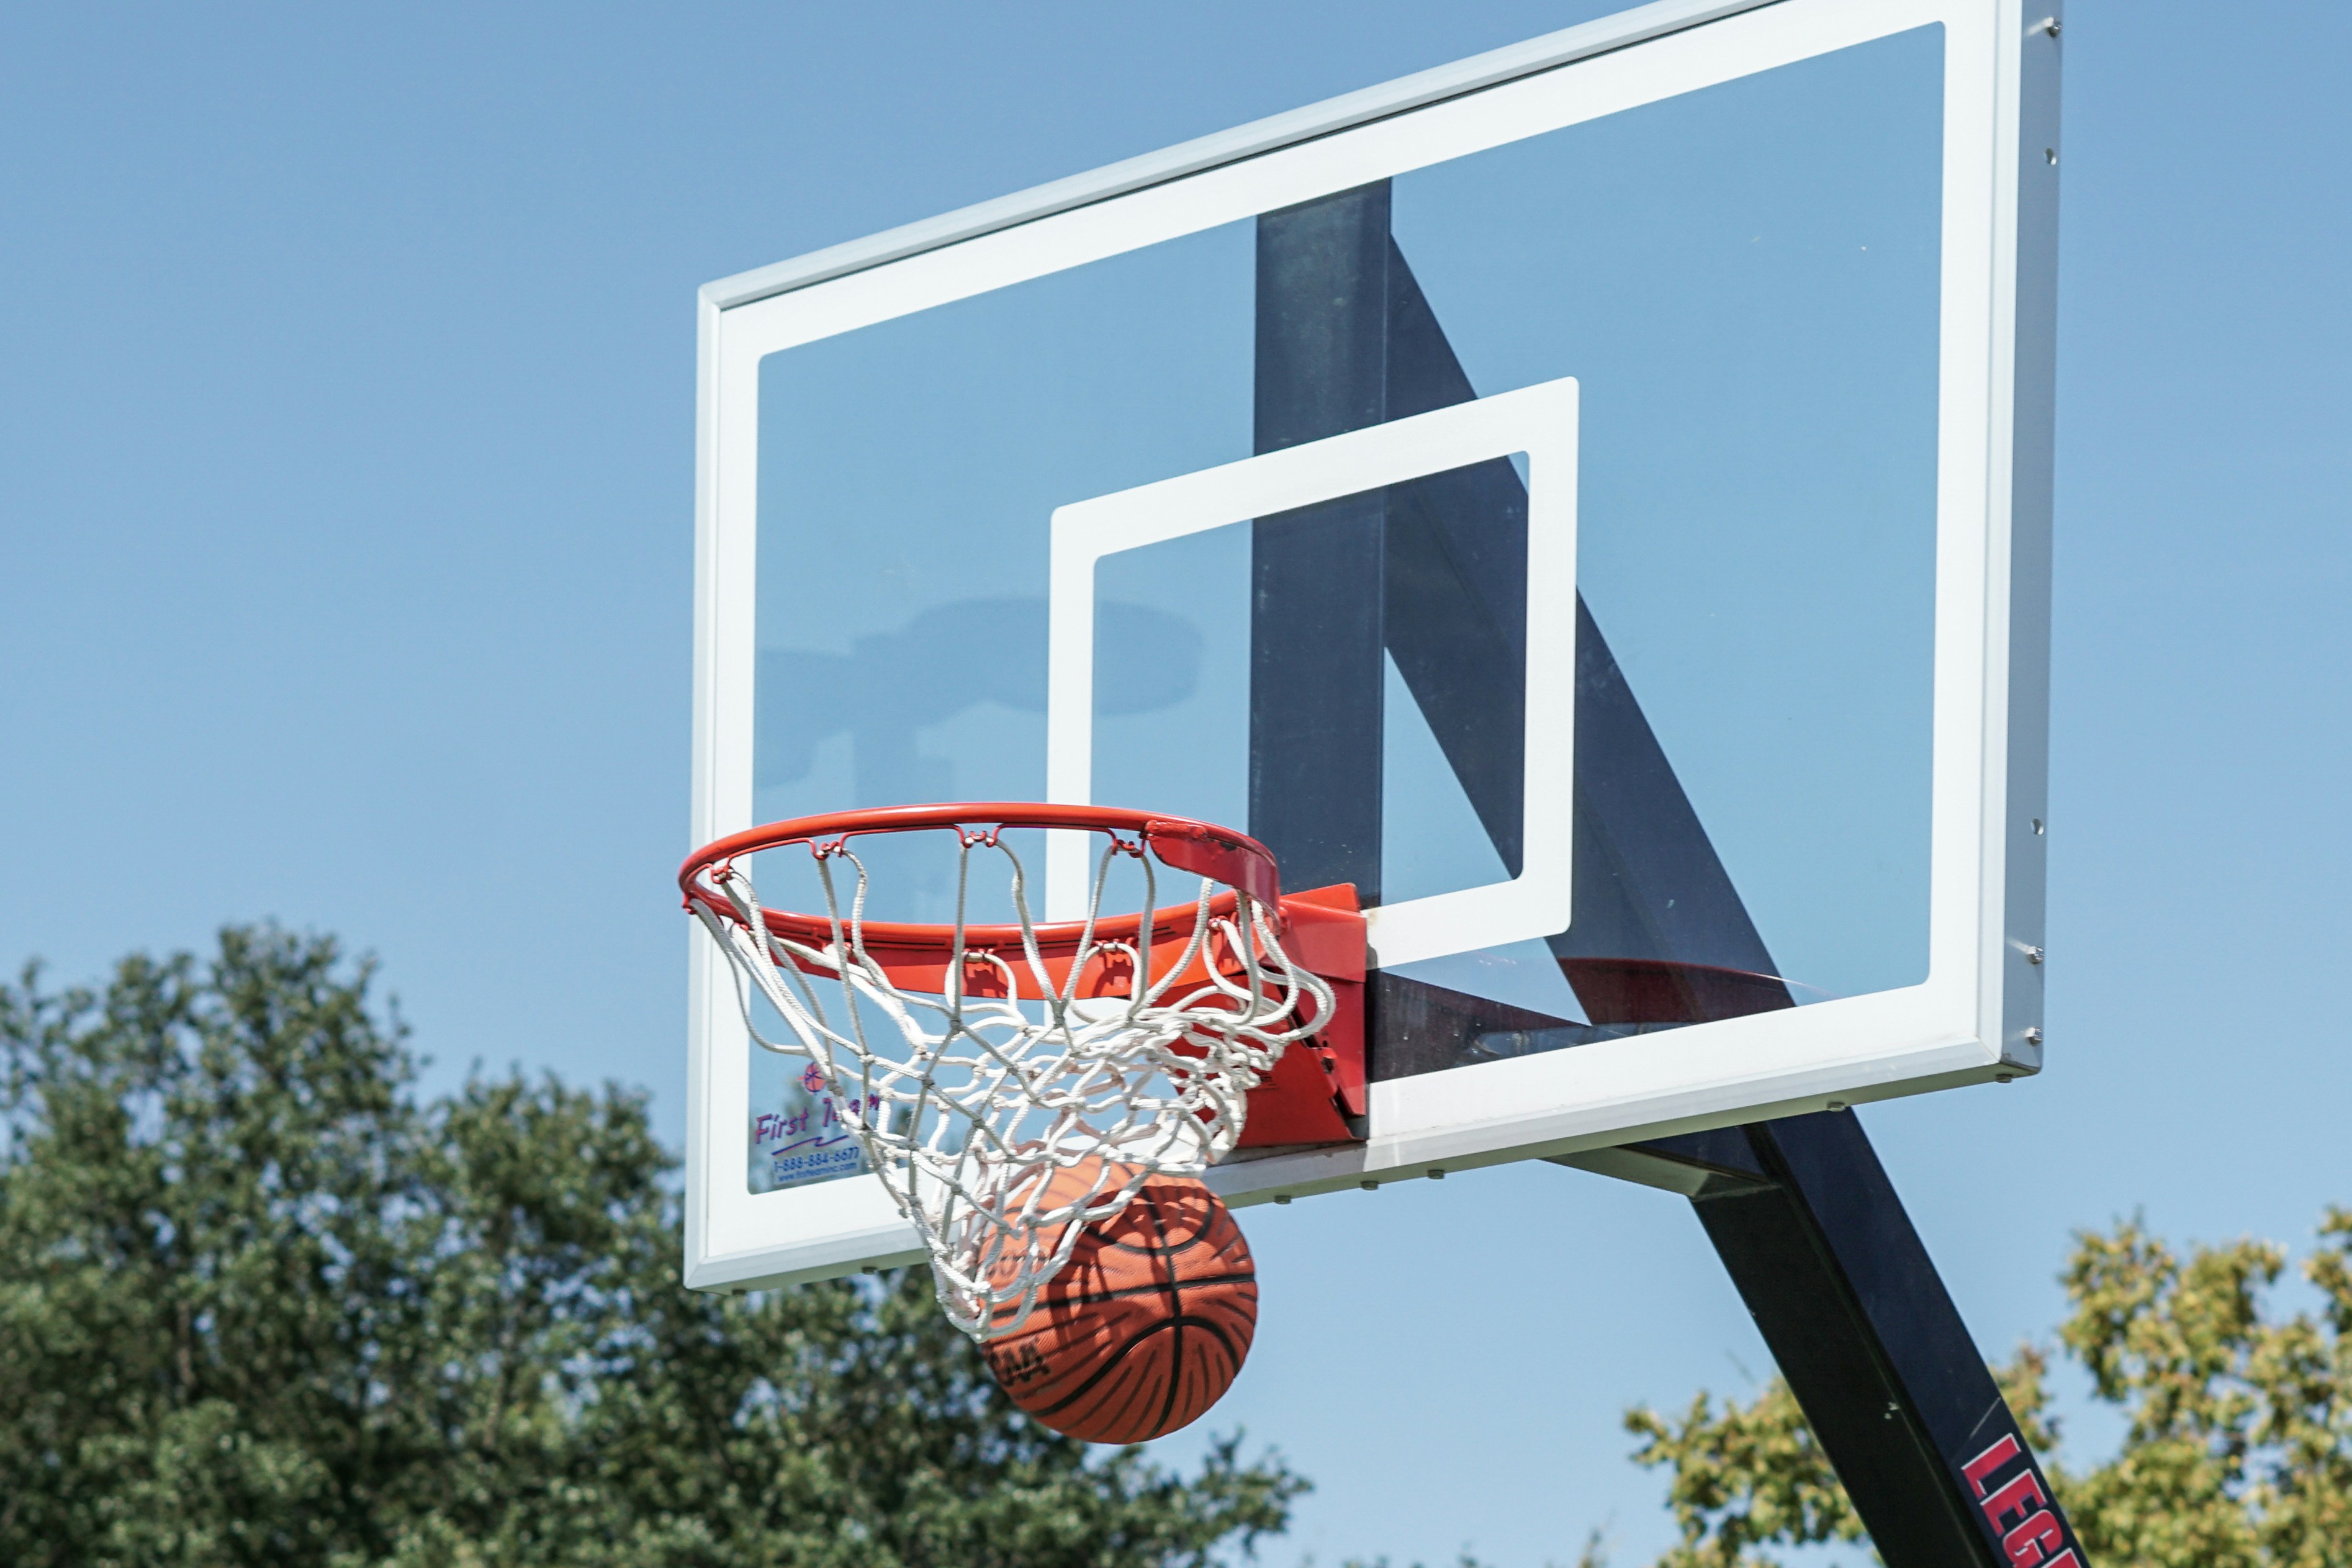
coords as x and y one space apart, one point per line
1492 69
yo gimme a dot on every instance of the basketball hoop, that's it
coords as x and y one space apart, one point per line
1118 1047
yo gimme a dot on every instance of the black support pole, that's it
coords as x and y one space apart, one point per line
1823 1256
1431 576
1315 574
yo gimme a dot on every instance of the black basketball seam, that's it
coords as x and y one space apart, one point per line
1121 1353
1105 1369
1172 1286
1117 1357
1176 1355
1199 1238
1184 1244
1095 1298
1123 1393
1176 1313
1209 1326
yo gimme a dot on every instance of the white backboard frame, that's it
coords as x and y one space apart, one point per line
1976 1017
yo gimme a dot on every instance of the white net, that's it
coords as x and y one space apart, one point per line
972 1103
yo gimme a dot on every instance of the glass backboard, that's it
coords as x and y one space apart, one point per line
1582 513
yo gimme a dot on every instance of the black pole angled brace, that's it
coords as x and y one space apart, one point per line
1818 1244
1431 575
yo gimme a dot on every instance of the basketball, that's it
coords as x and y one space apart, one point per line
1145 1327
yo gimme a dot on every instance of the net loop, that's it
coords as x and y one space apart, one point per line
980 1061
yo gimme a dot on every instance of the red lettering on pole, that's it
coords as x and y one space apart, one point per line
2033 1542
1992 1459
2020 1496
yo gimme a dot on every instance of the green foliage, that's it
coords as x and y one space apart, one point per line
260 1306
2238 1452
1751 1476
2239 1447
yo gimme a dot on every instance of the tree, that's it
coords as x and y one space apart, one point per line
262 1306
2238 1450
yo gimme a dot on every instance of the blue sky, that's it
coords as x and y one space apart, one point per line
346 483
